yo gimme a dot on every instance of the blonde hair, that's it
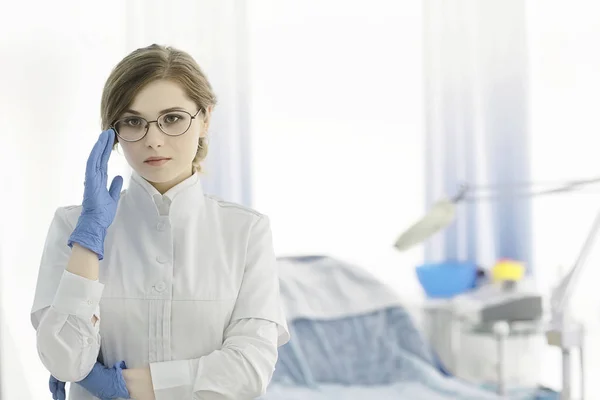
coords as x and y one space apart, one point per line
149 64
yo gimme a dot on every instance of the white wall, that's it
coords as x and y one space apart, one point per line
337 128
565 78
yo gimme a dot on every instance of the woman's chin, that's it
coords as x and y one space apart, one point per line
164 175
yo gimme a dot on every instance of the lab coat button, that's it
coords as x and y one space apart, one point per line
161 259
160 226
160 286
90 302
90 340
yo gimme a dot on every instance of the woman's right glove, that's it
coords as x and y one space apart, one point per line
106 383
102 382
99 204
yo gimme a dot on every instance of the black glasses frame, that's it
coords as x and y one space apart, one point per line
192 117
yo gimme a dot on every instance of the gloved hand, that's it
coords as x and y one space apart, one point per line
99 204
106 383
57 388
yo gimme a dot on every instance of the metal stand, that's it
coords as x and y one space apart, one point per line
501 331
567 340
564 332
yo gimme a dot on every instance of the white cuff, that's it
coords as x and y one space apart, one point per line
170 374
77 295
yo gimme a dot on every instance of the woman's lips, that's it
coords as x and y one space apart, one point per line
157 162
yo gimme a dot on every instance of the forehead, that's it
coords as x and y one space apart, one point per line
160 95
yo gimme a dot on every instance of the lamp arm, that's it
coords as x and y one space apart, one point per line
476 193
442 212
563 293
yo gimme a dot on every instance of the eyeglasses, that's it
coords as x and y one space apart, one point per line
172 123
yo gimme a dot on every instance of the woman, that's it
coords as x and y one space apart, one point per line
159 291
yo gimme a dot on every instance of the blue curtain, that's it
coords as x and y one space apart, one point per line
476 95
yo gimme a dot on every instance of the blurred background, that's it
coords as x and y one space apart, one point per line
342 120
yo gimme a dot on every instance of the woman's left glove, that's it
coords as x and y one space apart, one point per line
57 388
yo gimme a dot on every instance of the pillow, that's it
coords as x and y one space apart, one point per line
320 287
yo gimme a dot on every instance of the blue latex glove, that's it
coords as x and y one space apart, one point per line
99 204
103 382
57 388
106 383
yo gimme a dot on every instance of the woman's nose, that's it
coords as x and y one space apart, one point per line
155 137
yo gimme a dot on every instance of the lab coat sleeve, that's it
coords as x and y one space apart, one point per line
67 342
243 367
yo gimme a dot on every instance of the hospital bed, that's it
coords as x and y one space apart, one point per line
353 339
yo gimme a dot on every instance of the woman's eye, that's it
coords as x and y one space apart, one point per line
132 121
172 118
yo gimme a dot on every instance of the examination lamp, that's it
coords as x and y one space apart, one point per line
563 332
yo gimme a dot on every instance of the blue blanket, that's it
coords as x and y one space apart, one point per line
377 356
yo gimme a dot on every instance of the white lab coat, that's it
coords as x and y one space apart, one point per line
188 285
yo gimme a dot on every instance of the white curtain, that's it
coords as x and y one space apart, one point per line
56 57
477 124
476 101
215 34
543 54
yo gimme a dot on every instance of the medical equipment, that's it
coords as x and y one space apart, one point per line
510 314
563 331
447 279
99 205
500 302
508 271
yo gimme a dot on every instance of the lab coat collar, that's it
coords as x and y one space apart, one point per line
181 202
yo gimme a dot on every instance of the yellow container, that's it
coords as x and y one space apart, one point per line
508 270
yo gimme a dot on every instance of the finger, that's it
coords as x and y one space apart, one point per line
110 140
96 153
52 383
115 187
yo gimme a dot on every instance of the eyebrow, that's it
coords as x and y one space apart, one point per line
130 111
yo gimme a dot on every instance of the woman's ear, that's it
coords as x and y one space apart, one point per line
207 116
208 113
